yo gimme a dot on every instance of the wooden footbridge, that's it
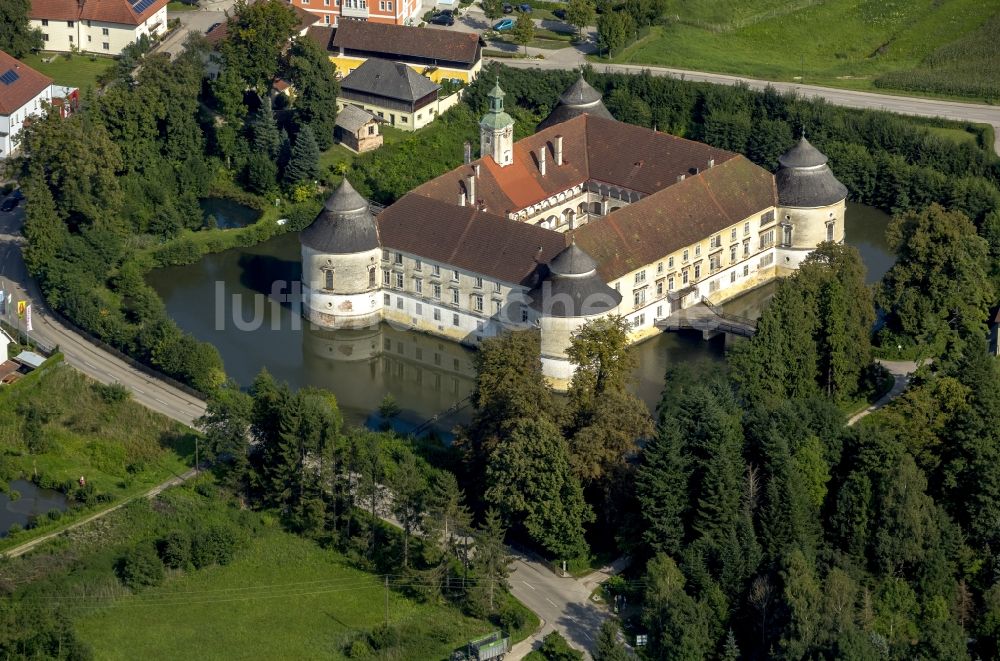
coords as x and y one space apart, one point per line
709 319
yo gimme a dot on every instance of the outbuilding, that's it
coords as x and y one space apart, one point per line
357 129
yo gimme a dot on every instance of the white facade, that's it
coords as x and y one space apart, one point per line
99 37
11 125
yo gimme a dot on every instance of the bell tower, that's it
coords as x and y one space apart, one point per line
496 130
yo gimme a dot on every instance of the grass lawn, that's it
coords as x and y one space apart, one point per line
121 448
285 598
844 43
180 6
78 71
957 135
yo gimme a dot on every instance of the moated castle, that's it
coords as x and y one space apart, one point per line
587 217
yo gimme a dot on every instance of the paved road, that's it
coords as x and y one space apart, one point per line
79 353
901 371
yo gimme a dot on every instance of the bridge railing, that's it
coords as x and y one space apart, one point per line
733 318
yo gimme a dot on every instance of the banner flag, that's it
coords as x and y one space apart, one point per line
27 313
21 305
3 302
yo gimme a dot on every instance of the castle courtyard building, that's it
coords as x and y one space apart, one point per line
588 217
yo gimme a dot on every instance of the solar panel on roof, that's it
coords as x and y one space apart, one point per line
9 76
142 5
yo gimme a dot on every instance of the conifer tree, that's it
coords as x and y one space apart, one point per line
304 163
662 489
608 646
266 138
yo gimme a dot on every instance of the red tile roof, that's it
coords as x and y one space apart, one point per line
29 83
109 11
467 238
402 42
671 213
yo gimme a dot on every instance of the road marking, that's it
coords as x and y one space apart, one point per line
551 602
529 585
138 391
91 365
587 635
161 401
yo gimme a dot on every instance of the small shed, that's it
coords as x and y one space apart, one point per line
30 359
357 129
995 332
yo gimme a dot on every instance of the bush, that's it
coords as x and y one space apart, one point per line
175 549
383 637
214 545
512 618
555 648
112 393
140 567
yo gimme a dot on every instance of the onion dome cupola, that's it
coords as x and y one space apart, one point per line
571 287
496 130
805 180
579 99
345 225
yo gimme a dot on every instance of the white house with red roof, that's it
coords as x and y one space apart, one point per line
23 93
97 26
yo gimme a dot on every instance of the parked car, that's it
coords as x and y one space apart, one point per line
504 24
212 27
11 202
507 8
524 7
444 18
560 14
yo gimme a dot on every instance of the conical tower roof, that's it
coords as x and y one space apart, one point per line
572 287
580 93
345 224
579 99
802 155
804 179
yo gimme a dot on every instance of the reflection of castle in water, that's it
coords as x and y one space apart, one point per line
425 375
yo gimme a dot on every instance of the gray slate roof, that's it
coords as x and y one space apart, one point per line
805 180
352 118
345 224
393 80
579 99
572 288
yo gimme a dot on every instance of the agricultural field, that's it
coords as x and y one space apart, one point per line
282 598
945 47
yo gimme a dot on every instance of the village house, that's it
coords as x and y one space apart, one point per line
566 226
338 12
437 54
23 93
97 26
357 129
395 93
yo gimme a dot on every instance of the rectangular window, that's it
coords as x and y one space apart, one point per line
684 277
767 259
329 279
399 258
381 5
478 283
746 248
418 285
388 5
455 276
399 302
685 256
829 232
714 263
496 287
386 300
436 270
767 218
385 255
437 317
454 297
45 22
640 277
385 277
45 37
496 307
524 316
716 241
732 277
71 39
670 283
746 270
104 31
732 253
697 272
404 119
420 311
732 235
767 239
417 264
371 277
477 303
670 262
69 24
399 281
89 38
639 297
746 228
454 320
659 268
786 234
659 287
437 291
697 251
713 286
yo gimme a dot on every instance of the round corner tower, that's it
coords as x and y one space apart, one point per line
569 295
340 260
811 203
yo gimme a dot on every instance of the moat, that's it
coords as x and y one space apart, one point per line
425 375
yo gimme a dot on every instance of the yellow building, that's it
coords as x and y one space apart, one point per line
441 55
394 93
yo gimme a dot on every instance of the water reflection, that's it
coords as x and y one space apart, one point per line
424 374
32 501
227 213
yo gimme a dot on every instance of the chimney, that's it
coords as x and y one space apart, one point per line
470 188
476 168
541 160
468 152
558 149
680 178
711 162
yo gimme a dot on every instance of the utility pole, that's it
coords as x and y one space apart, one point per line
387 602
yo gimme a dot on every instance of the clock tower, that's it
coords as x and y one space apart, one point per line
496 130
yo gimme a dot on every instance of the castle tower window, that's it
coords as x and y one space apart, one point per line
829 231
371 277
524 316
329 278
786 235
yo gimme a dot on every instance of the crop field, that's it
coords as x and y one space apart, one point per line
947 47
284 598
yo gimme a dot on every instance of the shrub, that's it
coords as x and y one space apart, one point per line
512 618
140 567
383 637
555 648
175 549
214 545
112 393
